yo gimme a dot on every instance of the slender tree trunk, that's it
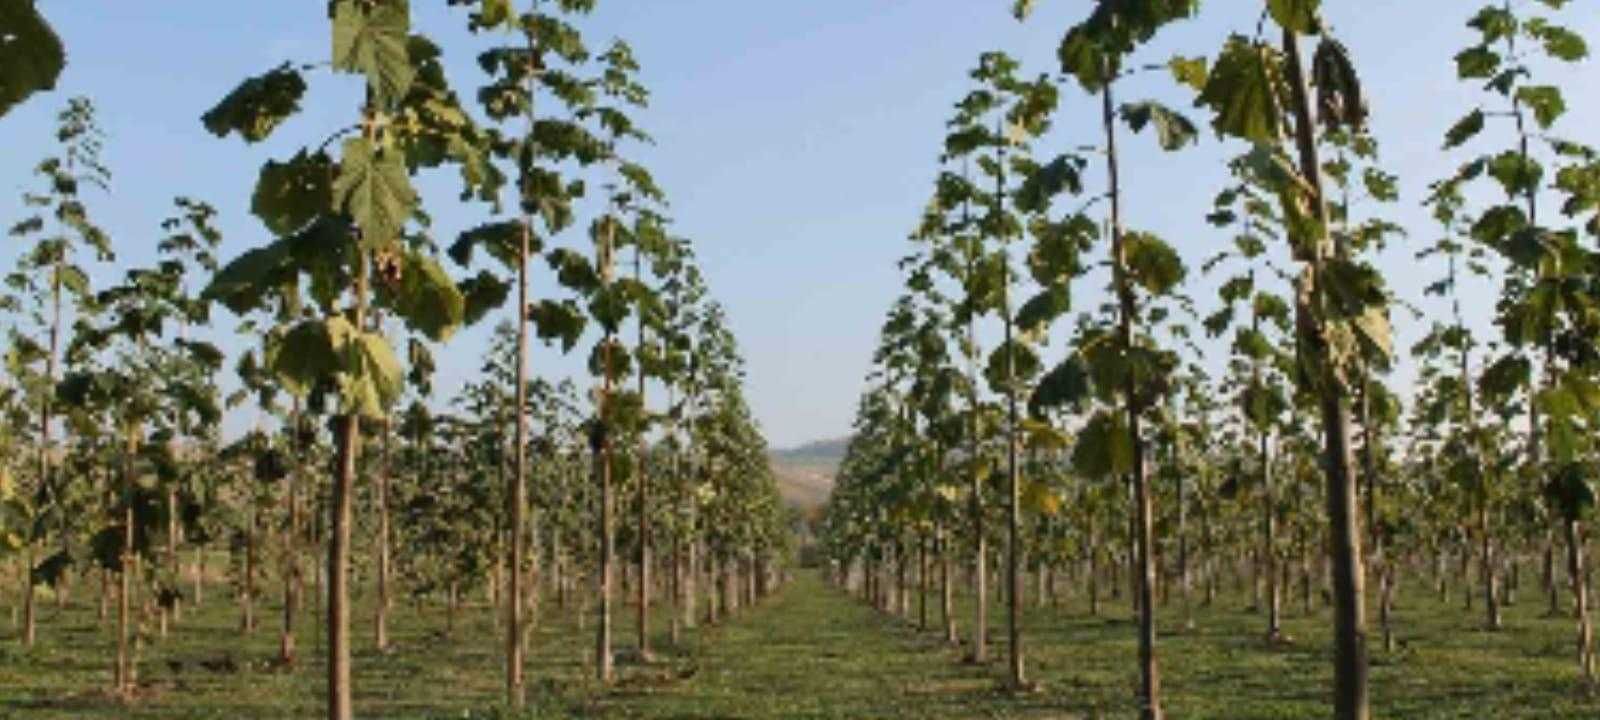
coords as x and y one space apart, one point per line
124 667
922 584
1580 600
199 575
1149 671
176 609
381 612
338 575
247 589
291 557
640 463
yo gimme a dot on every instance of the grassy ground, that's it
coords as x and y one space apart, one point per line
813 653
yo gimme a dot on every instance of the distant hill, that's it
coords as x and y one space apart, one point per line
831 451
805 473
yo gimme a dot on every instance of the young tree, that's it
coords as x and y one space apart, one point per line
1263 94
50 287
342 227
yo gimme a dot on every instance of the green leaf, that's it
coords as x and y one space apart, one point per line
1239 92
493 14
1377 336
1299 16
1023 365
1546 101
481 293
31 55
1559 42
242 285
1065 385
1063 174
1173 130
1477 62
1152 263
1571 490
258 106
1042 309
306 354
375 191
1104 447
1340 101
1464 129
372 380
1189 71
425 297
502 240
562 321
1516 173
291 194
370 38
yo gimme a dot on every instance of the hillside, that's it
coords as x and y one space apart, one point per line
805 473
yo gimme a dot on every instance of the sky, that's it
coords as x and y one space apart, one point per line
797 142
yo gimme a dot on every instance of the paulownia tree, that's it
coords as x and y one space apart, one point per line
341 231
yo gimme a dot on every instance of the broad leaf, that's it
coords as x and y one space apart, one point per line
258 106
375 190
1173 130
31 55
370 38
1240 92
291 194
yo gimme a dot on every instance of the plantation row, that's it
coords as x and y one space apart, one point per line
116 476
1173 439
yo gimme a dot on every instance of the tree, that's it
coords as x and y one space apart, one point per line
1547 356
342 226
519 75
1263 95
48 275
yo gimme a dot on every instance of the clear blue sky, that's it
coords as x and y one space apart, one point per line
797 141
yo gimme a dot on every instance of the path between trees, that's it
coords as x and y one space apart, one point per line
812 652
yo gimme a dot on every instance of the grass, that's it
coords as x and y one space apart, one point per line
812 652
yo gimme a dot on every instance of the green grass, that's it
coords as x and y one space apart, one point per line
811 652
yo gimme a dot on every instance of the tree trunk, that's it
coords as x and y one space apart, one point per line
380 617
124 668
1149 671
1580 601
247 585
338 581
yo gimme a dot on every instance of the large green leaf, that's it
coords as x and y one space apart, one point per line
1546 102
1104 447
258 106
562 321
291 194
501 239
1063 174
481 293
242 285
1299 16
1152 263
1341 102
425 297
31 55
1173 130
370 38
1241 94
372 380
375 190
308 353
